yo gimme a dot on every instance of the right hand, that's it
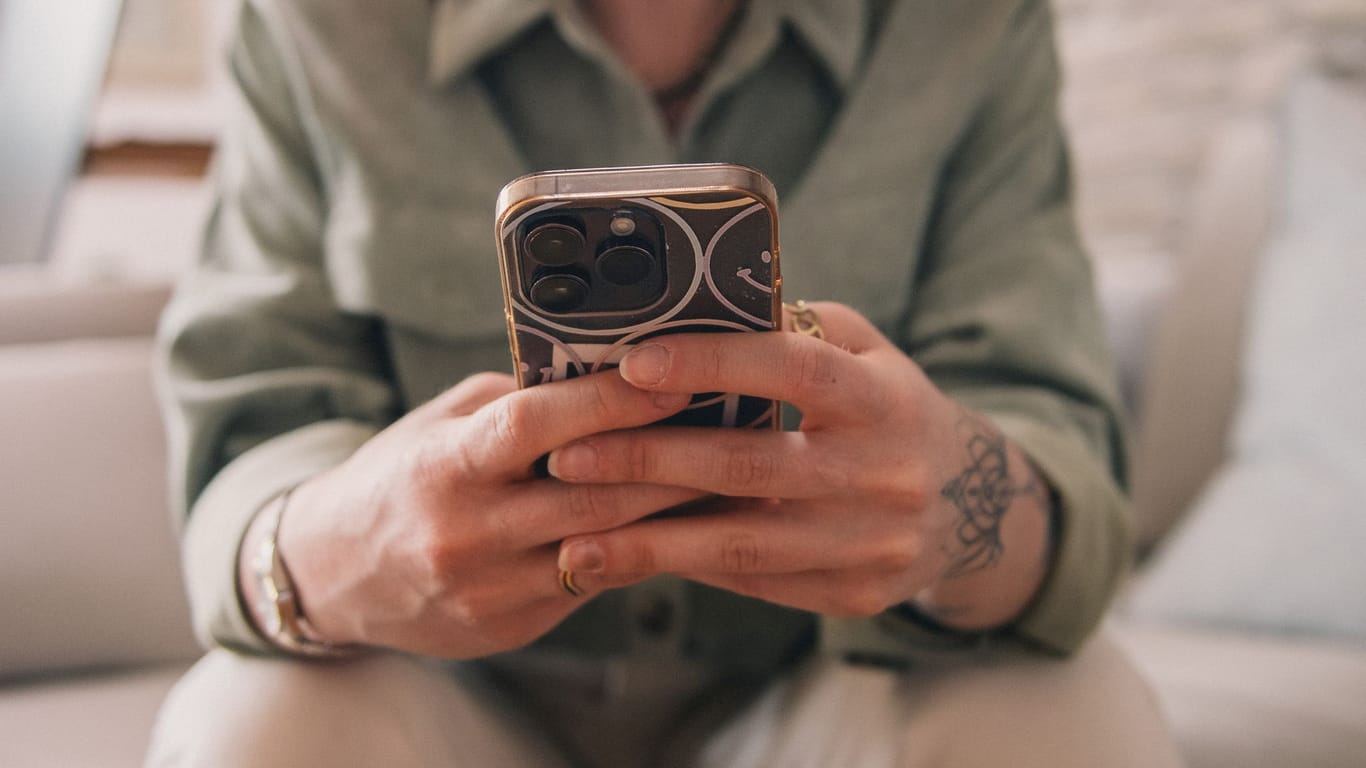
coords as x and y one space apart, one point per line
435 537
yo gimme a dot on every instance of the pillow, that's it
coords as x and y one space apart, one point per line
89 566
1278 539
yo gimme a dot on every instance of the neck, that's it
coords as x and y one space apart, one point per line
666 44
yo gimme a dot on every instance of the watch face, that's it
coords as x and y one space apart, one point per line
263 560
268 602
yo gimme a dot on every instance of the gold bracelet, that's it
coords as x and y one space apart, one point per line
285 625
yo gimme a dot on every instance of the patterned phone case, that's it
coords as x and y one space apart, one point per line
716 228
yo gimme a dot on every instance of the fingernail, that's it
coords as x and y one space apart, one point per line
582 557
573 462
646 365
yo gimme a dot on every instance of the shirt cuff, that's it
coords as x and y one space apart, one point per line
1091 551
220 517
1090 556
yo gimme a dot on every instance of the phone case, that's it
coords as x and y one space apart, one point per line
702 256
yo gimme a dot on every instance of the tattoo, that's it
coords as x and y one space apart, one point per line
982 494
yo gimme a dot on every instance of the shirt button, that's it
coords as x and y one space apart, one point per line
655 615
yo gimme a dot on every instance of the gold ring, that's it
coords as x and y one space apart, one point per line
567 584
804 319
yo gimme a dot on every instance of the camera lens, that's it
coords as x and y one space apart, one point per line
625 264
555 245
559 293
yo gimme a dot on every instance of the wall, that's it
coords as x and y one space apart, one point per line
1150 81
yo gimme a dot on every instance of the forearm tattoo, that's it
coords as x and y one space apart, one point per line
982 494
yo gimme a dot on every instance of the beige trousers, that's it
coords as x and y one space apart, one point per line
391 711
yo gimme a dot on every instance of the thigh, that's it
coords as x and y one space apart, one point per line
1011 709
233 710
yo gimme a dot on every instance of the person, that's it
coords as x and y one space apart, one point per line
885 585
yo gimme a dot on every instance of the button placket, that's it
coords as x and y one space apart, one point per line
656 615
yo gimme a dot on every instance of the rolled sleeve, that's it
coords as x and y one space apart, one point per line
264 380
1004 319
1091 544
213 534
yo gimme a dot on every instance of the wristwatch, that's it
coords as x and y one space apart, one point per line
284 622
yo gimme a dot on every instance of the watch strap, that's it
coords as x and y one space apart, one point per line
285 624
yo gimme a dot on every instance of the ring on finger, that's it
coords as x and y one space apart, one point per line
804 319
566 579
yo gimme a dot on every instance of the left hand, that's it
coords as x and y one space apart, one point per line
890 492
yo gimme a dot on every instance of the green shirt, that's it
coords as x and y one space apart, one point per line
348 271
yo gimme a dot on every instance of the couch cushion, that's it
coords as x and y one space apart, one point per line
37 304
83 722
1276 541
89 572
1239 699
1190 385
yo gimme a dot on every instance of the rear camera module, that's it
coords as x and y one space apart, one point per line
560 292
625 264
555 244
592 261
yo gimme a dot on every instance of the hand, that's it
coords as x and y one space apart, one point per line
891 492
436 538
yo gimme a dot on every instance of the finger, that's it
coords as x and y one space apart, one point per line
517 592
460 400
842 326
533 578
504 437
758 536
729 462
465 398
827 592
591 585
821 379
548 510
474 392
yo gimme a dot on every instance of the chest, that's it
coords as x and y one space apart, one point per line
409 237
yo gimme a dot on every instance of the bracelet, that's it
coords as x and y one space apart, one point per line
285 624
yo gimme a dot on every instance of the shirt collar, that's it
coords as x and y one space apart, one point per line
465 32
835 30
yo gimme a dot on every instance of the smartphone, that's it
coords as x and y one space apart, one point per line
596 261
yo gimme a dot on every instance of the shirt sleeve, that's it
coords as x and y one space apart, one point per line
1004 319
265 381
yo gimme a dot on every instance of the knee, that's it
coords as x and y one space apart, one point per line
1092 709
233 710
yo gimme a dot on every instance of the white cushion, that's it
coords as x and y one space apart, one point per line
1277 540
39 304
1191 379
1238 699
89 571
94 721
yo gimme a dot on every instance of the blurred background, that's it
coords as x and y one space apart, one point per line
1220 154
136 104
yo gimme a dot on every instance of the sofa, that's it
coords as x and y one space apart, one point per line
96 630
95 623
1246 609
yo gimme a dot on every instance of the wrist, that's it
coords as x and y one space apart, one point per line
994 592
269 594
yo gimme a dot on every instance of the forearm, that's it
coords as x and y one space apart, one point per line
222 515
1005 322
265 379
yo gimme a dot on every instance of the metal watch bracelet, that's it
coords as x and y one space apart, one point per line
285 625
